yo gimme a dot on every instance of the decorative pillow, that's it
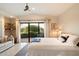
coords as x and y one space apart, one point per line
71 41
36 39
64 38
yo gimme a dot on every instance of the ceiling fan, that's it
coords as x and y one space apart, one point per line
26 7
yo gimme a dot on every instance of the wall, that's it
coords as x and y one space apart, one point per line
69 20
18 30
47 19
10 27
51 20
2 14
1 27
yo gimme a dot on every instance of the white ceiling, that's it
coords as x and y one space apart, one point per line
17 9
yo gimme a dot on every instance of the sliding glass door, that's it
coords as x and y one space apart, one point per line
34 30
31 30
24 30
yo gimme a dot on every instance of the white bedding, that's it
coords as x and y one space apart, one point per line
51 41
51 47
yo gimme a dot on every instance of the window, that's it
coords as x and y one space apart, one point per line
32 29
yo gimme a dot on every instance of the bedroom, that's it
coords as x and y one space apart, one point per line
58 18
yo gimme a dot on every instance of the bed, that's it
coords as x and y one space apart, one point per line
54 47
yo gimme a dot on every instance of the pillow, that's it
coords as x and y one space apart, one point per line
64 38
36 39
71 41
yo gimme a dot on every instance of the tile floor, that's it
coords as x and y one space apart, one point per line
13 50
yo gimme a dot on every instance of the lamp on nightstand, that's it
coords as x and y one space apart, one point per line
56 31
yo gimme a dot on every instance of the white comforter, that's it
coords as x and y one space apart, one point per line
51 47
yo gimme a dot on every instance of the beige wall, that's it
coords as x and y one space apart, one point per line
51 21
69 21
1 27
47 19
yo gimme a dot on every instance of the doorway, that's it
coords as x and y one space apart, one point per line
31 30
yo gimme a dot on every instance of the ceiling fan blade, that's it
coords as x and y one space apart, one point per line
26 7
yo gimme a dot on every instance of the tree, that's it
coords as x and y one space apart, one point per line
33 31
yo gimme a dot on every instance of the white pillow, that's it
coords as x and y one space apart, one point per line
71 41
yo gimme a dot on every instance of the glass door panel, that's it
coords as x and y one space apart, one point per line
33 30
41 25
24 32
30 30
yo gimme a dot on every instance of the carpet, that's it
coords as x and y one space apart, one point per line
23 51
